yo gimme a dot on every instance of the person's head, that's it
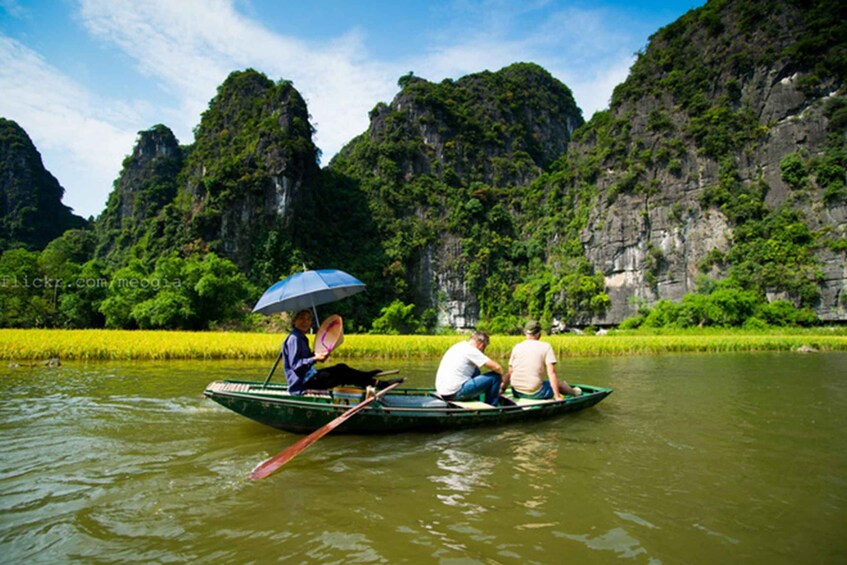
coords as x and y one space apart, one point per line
532 329
302 320
479 340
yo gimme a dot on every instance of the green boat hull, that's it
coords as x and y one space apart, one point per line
402 410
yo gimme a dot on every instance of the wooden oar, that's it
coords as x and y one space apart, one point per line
271 465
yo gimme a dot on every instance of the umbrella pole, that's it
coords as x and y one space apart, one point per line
278 357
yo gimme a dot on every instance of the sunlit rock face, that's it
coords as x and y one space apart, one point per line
491 130
654 237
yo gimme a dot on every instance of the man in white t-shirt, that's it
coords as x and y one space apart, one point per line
529 361
458 376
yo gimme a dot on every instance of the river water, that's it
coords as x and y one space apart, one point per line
721 458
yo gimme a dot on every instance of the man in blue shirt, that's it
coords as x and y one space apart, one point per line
300 370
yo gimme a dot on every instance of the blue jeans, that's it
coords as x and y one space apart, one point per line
488 384
543 394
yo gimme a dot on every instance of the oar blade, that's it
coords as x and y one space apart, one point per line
271 465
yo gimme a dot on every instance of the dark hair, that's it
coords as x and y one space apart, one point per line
300 313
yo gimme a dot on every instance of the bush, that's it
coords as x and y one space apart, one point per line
193 293
731 307
755 324
724 306
664 313
503 325
692 311
778 313
397 319
632 323
793 171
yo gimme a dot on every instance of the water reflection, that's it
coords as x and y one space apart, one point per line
462 473
616 540
535 464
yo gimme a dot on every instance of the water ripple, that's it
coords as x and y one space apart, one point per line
128 463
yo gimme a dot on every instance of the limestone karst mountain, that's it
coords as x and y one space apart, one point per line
719 167
31 209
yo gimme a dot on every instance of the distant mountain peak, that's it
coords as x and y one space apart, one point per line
31 209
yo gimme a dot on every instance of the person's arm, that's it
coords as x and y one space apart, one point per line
494 366
506 378
480 360
298 354
554 381
559 386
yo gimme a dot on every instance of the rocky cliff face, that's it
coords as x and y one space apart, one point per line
467 130
241 189
253 165
680 179
147 183
462 145
723 155
740 69
31 209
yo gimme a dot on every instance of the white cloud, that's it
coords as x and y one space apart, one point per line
593 91
190 47
187 48
588 50
82 140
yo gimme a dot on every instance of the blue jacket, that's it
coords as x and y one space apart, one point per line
299 362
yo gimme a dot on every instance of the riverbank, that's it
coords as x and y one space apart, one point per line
42 345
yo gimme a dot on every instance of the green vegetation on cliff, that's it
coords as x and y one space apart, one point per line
148 183
708 81
31 209
249 176
451 170
478 201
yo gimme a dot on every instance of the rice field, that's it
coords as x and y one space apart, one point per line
41 345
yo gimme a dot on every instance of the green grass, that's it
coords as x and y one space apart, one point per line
35 345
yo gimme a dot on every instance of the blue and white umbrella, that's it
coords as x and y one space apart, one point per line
308 289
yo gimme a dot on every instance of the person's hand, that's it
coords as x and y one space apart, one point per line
321 357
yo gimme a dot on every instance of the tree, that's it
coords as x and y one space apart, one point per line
398 319
79 305
192 294
26 294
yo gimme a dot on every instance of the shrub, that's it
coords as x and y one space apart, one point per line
503 325
399 319
755 324
778 313
632 323
793 171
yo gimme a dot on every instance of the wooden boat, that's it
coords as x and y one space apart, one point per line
401 410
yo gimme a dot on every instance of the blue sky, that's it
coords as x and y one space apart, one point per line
83 77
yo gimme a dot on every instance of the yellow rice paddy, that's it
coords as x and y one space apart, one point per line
38 345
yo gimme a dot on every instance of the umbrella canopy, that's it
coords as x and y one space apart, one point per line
307 290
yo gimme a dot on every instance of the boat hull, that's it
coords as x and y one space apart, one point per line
402 410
